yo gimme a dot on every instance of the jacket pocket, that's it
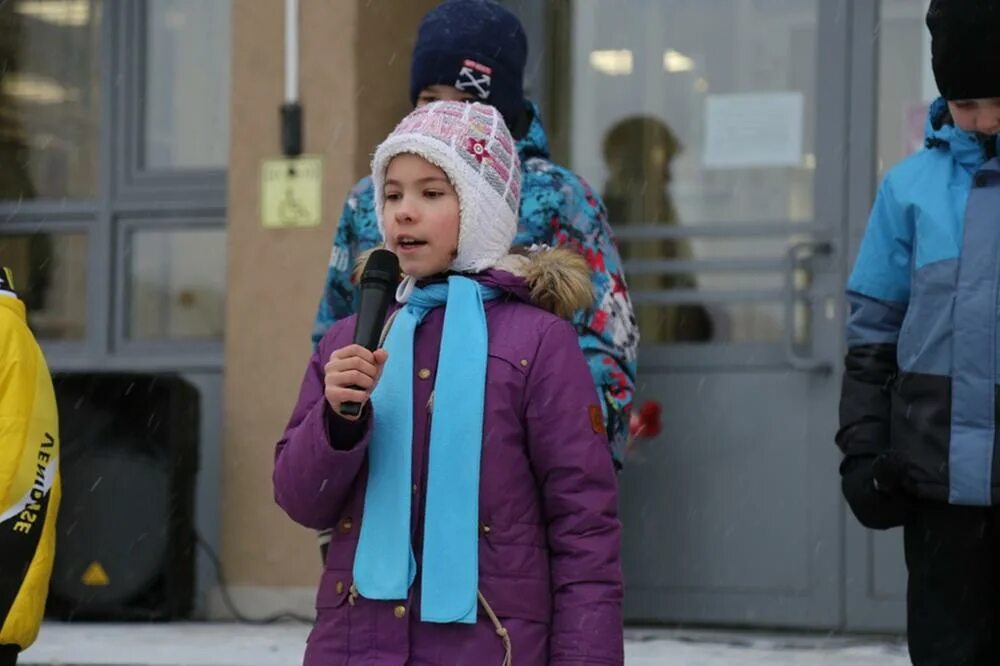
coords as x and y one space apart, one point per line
517 597
507 373
514 571
331 632
921 426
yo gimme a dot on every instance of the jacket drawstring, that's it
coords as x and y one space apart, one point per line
508 659
385 329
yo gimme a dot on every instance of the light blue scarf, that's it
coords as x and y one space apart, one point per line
384 566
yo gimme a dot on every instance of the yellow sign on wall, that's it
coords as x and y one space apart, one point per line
291 192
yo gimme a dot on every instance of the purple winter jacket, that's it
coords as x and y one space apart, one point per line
549 553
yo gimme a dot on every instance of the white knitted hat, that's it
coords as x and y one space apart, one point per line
474 148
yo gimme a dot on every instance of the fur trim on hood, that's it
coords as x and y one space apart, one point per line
557 279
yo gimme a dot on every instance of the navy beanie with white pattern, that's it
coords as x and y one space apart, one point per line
476 46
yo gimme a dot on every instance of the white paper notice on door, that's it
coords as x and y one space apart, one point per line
753 130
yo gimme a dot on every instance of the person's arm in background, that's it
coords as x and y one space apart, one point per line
878 292
576 218
357 231
29 480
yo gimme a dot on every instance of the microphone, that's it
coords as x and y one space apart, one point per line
378 287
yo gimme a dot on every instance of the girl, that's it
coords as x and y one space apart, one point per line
472 503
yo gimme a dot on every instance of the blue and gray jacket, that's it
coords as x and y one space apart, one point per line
923 336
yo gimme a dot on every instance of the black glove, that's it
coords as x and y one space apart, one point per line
875 487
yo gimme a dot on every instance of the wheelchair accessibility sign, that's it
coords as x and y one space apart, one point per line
291 192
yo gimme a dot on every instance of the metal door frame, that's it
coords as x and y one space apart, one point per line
864 608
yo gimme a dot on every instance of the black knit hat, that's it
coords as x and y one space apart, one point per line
965 47
476 46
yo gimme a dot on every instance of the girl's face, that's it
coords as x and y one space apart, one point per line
977 115
421 216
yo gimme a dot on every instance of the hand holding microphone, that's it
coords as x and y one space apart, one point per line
353 371
351 375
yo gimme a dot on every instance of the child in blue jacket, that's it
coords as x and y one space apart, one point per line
918 408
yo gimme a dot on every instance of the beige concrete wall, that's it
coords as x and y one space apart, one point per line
354 64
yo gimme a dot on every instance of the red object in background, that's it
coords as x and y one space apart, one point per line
645 422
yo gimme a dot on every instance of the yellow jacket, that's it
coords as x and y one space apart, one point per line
29 475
